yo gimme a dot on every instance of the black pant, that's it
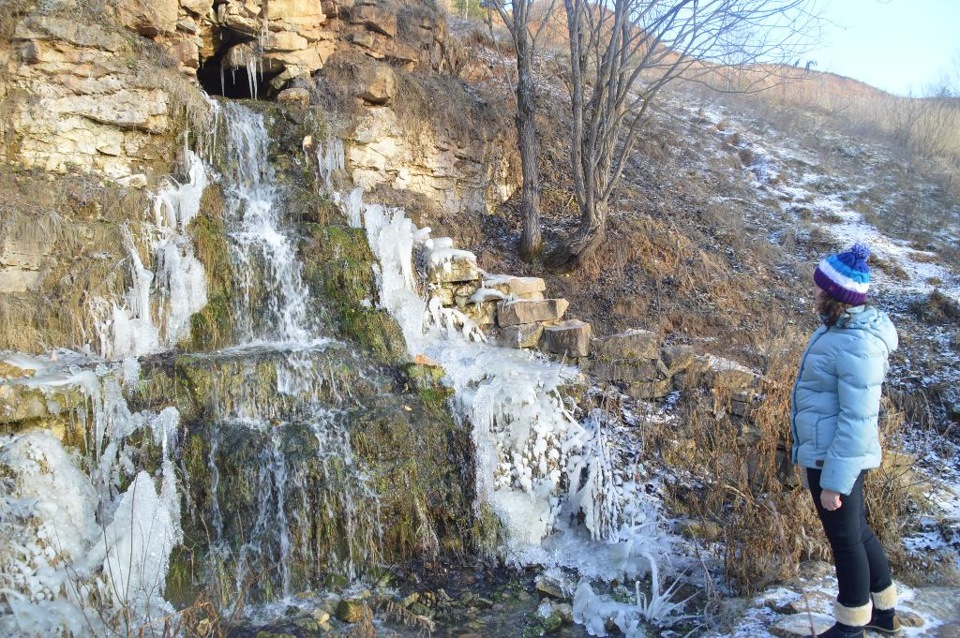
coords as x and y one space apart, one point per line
861 564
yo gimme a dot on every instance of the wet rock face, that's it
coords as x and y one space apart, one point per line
315 495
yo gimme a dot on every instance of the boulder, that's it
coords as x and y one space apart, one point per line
378 83
647 390
722 374
623 370
350 611
528 311
570 338
677 358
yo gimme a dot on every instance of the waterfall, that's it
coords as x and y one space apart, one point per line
259 239
276 497
86 540
288 426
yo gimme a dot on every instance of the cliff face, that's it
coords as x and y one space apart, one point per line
98 103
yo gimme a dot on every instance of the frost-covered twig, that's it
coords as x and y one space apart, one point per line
660 609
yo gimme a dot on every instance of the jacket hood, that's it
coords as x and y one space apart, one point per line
875 322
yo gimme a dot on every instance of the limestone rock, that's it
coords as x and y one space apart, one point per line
63 31
451 265
463 294
521 287
350 610
298 96
623 370
722 374
483 314
647 390
570 338
186 51
677 358
202 8
458 174
378 83
528 311
375 18
525 335
10 370
83 106
549 586
22 255
632 344
148 17
239 17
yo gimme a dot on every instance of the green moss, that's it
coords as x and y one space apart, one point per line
212 327
338 265
376 331
427 382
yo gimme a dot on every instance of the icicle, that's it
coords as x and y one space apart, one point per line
252 75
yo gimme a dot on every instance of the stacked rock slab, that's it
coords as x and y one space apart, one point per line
511 309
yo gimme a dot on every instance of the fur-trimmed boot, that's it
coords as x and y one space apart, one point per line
850 621
884 617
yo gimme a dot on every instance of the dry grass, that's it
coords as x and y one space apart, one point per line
76 223
747 488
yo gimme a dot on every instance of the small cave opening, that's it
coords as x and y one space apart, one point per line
234 83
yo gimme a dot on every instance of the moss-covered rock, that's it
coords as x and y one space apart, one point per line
338 267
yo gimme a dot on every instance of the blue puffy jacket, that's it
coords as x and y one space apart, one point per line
836 397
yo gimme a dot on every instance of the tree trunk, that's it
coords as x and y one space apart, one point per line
531 240
571 254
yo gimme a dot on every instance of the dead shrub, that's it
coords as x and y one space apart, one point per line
890 267
936 308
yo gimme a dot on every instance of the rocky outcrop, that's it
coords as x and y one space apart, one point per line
264 47
472 175
79 98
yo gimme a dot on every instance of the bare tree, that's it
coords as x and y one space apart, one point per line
516 16
623 52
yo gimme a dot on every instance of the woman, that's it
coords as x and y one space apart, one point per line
836 402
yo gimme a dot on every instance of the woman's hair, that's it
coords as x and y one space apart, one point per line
831 310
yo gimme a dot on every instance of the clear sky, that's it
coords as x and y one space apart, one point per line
900 46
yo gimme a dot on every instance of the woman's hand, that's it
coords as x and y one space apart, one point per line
830 500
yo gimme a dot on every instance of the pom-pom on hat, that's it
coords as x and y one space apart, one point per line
845 276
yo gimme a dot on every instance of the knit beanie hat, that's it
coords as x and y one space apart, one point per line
845 276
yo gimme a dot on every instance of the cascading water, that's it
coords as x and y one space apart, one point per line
276 498
273 397
87 542
259 243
